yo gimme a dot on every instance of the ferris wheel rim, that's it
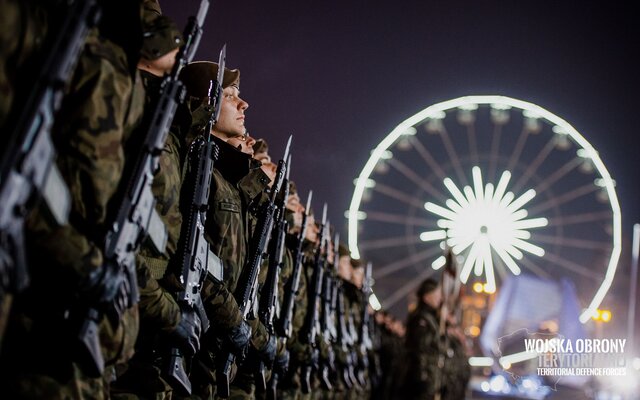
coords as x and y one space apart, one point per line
436 110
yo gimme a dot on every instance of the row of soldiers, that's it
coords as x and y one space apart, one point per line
149 246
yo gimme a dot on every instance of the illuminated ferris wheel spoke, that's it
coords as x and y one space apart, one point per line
477 183
535 269
565 198
570 265
453 155
528 247
397 219
535 164
457 194
571 242
579 218
522 200
406 262
517 150
473 144
403 291
501 187
396 241
397 194
468 262
561 172
415 178
489 273
507 260
441 211
495 146
427 157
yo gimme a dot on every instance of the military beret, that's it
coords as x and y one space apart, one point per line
427 286
160 35
197 75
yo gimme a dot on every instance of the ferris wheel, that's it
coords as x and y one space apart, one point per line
509 186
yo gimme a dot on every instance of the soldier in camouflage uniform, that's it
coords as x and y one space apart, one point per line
160 315
237 186
423 343
300 352
23 29
102 108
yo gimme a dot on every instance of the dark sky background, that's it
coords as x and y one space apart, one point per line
340 75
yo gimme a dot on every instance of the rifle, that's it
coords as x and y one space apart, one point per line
344 338
269 295
137 218
309 330
364 337
28 168
247 290
193 252
284 325
327 321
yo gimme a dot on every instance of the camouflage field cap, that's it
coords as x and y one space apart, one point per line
197 75
160 34
356 263
343 250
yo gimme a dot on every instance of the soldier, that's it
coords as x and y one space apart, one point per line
163 323
101 110
237 186
300 352
423 343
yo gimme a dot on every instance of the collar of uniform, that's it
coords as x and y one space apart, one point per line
425 308
232 163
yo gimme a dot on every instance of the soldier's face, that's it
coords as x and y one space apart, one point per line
434 297
231 121
293 204
241 144
312 229
357 277
344 267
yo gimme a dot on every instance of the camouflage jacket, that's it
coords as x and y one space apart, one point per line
236 183
423 346
104 105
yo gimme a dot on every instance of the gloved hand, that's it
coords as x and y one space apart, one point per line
102 284
281 363
186 336
237 339
268 353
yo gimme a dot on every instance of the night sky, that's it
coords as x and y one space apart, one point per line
340 76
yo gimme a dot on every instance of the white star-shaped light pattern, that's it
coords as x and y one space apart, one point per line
488 221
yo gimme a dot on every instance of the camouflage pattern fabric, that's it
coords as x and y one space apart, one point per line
103 106
422 349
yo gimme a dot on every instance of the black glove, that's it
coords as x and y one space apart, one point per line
281 364
238 339
268 353
186 336
103 283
